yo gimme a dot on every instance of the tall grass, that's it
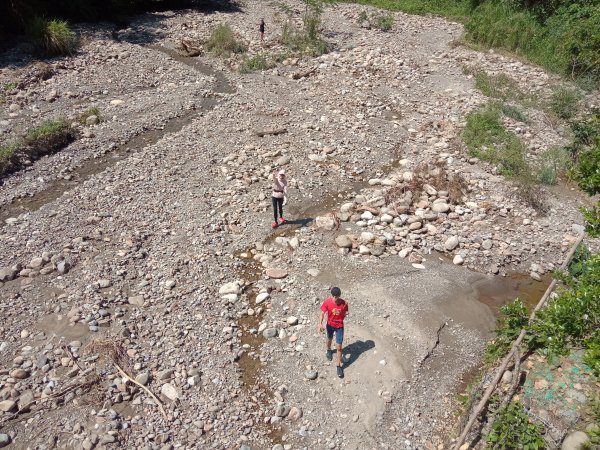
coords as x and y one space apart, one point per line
52 37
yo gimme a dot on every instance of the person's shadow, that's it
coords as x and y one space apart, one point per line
302 222
354 350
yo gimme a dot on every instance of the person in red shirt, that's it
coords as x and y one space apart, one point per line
336 309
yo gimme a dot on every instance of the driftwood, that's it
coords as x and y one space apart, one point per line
511 354
371 209
113 350
270 131
87 384
189 47
304 74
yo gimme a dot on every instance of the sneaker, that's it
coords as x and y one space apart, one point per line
274 225
329 355
281 221
340 372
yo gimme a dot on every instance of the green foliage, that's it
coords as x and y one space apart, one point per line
512 430
553 165
254 63
581 255
47 128
563 39
499 86
512 319
564 102
571 319
514 112
303 42
7 153
52 37
222 41
486 138
586 149
456 9
383 22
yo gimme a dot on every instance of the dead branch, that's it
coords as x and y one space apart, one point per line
270 131
304 74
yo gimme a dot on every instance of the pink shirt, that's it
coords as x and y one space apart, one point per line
279 188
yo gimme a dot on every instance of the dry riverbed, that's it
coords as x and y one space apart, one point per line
152 231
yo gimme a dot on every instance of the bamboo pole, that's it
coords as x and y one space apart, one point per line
509 356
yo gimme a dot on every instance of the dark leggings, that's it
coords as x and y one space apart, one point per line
277 203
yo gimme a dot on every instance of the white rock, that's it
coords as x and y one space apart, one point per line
292 320
458 260
169 391
262 297
230 288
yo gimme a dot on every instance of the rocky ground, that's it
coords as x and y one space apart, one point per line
150 235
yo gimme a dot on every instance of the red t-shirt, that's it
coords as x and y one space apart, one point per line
335 312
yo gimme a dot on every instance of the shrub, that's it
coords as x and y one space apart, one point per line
7 156
256 62
553 164
222 41
52 37
306 41
514 112
383 22
512 430
512 319
571 319
564 102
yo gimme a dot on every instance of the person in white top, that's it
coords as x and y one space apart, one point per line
279 196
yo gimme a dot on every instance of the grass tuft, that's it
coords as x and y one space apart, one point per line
52 37
564 102
255 63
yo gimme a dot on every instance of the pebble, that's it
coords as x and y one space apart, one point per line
276 273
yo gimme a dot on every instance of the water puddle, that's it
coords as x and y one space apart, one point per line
93 166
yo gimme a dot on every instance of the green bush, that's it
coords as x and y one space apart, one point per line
571 319
7 156
512 430
486 138
564 102
511 320
254 63
514 112
45 129
383 22
52 37
222 41
553 165
306 41
564 39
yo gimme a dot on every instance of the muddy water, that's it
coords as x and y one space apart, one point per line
498 291
93 166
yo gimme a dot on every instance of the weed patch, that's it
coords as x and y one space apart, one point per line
564 102
52 37
255 63
47 138
486 138
512 319
512 429
223 42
